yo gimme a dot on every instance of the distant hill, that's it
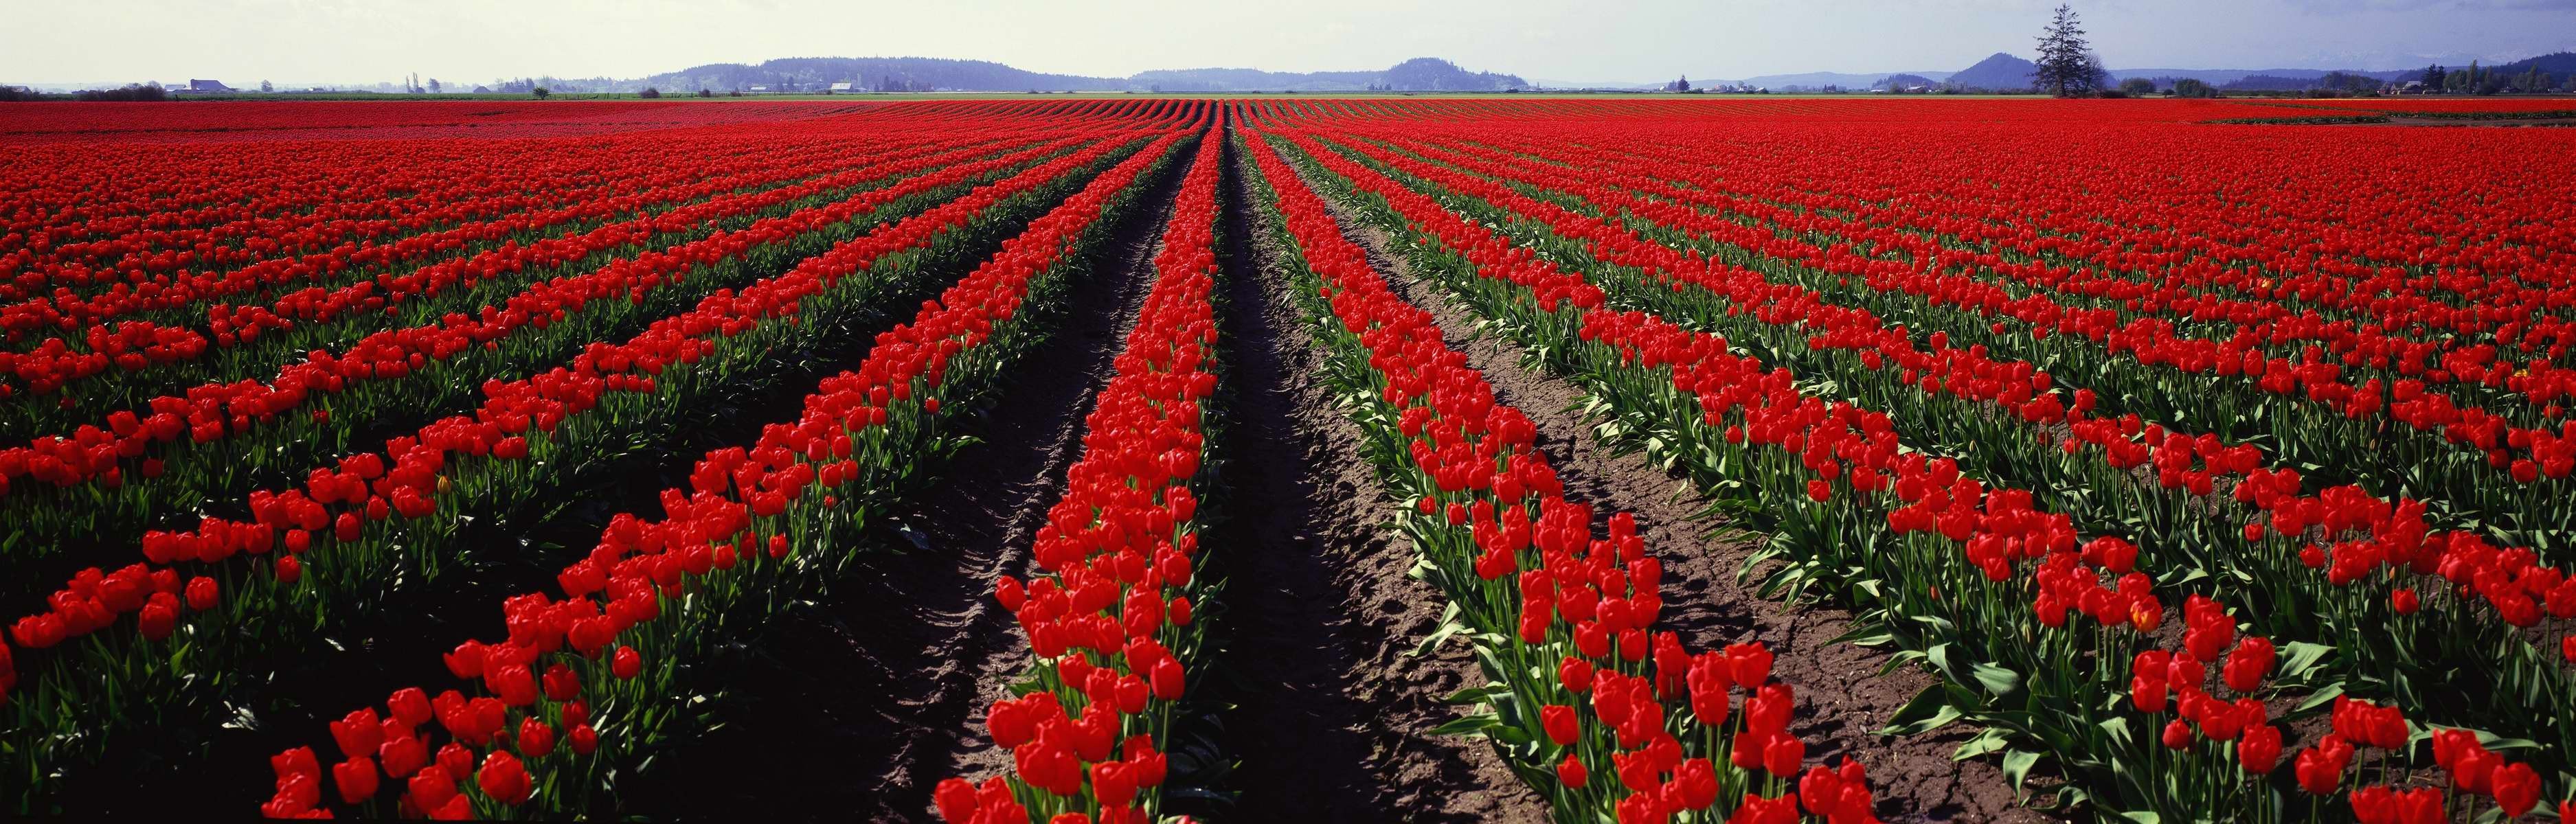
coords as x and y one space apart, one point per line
1818 80
814 74
1999 71
2559 63
1418 74
2256 78
870 73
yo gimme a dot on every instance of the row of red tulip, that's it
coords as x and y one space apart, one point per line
2233 222
220 409
338 502
1603 714
284 448
2263 336
415 266
1935 395
342 544
2378 316
2473 446
2372 531
1108 615
1721 386
753 522
287 217
73 229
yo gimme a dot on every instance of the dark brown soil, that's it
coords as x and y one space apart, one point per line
1331 709
856 708
1842 698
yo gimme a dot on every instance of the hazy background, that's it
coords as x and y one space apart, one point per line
365 41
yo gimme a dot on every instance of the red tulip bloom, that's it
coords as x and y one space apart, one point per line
2177 734
456 761
504 779
1571 773
430 789
356 778
561 683
157 621
584 739
403 756
359 733
1560 722
1783 757
201 593
2516 788
626 664
955 799
536 740
411 706
2259 749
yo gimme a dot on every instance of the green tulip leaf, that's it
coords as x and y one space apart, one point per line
1997 680
2017 764
2298 657
1927 712
1469 726
1986 742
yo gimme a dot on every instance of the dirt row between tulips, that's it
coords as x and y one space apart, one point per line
860 705
1842 698
1330 709
857 706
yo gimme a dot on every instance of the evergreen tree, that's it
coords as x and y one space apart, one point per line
2066 66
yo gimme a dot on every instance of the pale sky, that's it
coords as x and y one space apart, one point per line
474 41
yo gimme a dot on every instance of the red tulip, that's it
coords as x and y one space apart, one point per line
410 705
2516 788
157 621
1570 772
403 756
1560 724
956 800
561 683
201 593
356 778
536 740
430 789
1783 756
2177 734
359 733
503 778
2259 749
456 761
626 664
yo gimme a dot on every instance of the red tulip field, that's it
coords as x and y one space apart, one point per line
1144 459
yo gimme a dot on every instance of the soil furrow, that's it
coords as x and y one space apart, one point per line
1842 698
856 707
1330 707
